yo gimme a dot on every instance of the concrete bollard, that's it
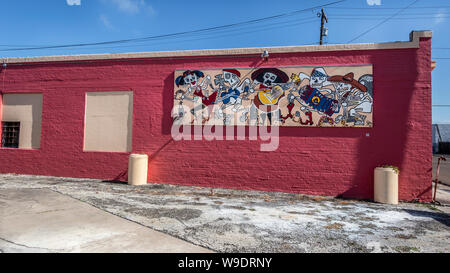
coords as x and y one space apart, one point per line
386 185
137 169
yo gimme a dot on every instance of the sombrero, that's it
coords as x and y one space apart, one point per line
348 78
234 71
283 76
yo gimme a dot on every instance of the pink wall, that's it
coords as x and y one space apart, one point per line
330 161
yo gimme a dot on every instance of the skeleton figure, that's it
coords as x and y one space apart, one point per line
342 91
231 90
197 90
345 89
231 76
231 81
363 100
191 78
317 80
272 84
269 78
178 113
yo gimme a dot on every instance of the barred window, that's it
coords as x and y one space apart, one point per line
10 134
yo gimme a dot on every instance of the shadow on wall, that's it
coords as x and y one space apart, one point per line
390 132
166 121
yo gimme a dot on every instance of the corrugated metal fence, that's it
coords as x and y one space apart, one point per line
441 138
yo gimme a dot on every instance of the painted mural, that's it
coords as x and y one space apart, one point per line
328 96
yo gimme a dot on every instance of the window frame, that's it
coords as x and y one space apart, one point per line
16 138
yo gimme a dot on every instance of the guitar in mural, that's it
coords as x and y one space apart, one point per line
269 96
269 91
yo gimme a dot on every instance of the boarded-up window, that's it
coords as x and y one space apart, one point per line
108 121
26 109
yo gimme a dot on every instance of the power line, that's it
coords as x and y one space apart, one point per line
382 14
382 22
378 8
358 17
235 31
220 35
175 34
375 19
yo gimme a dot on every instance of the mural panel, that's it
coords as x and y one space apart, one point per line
328 96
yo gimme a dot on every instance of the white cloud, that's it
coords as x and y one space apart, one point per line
73 2
150 10
131 6
105 21
373 2
440 16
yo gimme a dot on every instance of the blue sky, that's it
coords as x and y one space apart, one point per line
59 22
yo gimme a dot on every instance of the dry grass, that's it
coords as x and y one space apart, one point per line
334 226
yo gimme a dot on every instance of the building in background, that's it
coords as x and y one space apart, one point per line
441 138
345 109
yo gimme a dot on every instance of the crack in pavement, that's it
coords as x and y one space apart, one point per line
28 247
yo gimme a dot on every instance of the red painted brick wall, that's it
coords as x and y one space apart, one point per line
330 161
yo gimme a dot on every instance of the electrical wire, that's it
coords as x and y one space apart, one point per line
382 22
227 34
376 19
378 14
178 33
378 8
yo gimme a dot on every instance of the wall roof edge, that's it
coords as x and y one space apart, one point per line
412 43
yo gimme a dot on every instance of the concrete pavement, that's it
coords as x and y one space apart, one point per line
41 220
443 197
227 220
443 189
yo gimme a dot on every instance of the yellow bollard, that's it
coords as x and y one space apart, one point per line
386 185
137 169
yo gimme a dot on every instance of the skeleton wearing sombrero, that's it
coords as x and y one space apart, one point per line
191 78
363 100
268 84
345 86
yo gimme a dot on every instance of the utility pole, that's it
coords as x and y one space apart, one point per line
323 20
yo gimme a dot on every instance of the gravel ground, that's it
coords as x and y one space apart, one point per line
227 220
